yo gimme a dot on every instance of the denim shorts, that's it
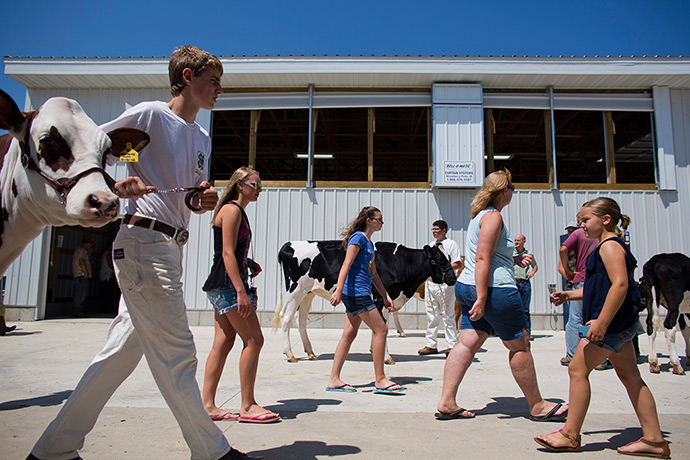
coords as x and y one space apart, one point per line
355 305
503 312
224 299
614 341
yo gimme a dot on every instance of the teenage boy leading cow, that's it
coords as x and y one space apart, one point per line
148 263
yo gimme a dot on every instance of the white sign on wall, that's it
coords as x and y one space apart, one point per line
458 172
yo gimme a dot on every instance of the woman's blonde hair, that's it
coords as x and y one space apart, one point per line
602 206
493 185
232 190
360 223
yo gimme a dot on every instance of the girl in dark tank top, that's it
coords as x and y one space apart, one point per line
610 301
234 302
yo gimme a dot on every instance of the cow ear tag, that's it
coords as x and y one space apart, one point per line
129 155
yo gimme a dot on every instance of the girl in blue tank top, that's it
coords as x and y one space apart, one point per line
610 301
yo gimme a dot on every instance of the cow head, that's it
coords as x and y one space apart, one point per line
62 151
441 270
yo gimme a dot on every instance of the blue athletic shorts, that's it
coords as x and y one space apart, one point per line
224 299
503 312
355 305
614 341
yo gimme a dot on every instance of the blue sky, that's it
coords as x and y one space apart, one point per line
260 27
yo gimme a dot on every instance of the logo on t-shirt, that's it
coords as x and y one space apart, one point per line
200 160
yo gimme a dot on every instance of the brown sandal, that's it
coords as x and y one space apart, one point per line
665 451
574 439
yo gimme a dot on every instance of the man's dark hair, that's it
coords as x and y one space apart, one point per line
441 224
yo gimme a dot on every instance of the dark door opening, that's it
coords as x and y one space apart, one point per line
102 295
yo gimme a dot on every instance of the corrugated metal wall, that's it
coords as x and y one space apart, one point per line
659 219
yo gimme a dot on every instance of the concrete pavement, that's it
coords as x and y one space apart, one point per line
41 362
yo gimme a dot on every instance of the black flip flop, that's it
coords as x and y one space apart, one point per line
455 415
551 416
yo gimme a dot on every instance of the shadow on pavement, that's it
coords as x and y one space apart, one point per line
43 401
307 450
508 407
619 437
291 408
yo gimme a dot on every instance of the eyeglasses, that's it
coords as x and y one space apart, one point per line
377 218
511 187
256 185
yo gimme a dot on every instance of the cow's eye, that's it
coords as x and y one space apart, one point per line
47 141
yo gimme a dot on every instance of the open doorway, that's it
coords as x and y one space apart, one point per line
102 293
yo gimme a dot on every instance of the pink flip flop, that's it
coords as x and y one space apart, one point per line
225 416
256 418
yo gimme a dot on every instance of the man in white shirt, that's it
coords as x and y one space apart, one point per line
440 298
81 272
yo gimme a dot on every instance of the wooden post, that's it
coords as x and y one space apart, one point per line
610 149
253 129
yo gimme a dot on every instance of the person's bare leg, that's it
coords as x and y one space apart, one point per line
249 331
223 340
350 329
641 398
587 356
457 363
525 375
372 318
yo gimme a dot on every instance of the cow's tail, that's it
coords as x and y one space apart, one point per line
279 301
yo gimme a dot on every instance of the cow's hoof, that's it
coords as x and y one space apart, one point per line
654 368
312 357
389 361
678 369
291 359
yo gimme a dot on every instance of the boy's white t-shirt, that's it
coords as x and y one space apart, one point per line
177 156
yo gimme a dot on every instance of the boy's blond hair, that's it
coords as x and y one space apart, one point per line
193 58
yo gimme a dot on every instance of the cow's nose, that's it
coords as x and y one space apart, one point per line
102 205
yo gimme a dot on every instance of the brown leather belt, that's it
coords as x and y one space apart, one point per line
179 235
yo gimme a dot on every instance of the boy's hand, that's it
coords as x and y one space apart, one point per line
130 187
208 197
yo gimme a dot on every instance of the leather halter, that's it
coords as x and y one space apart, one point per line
63 185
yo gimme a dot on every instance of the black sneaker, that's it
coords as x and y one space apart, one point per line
235 454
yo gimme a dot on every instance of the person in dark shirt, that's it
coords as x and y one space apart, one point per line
610 303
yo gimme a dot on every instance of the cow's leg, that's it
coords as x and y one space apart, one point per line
304 308
287 314
398 326
672 352
388 359
686 335
656 326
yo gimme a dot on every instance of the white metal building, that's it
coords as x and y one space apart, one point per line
413 136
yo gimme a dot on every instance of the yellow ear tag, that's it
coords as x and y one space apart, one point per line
129 155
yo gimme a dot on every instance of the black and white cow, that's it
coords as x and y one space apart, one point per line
311 268
52 171
669 275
